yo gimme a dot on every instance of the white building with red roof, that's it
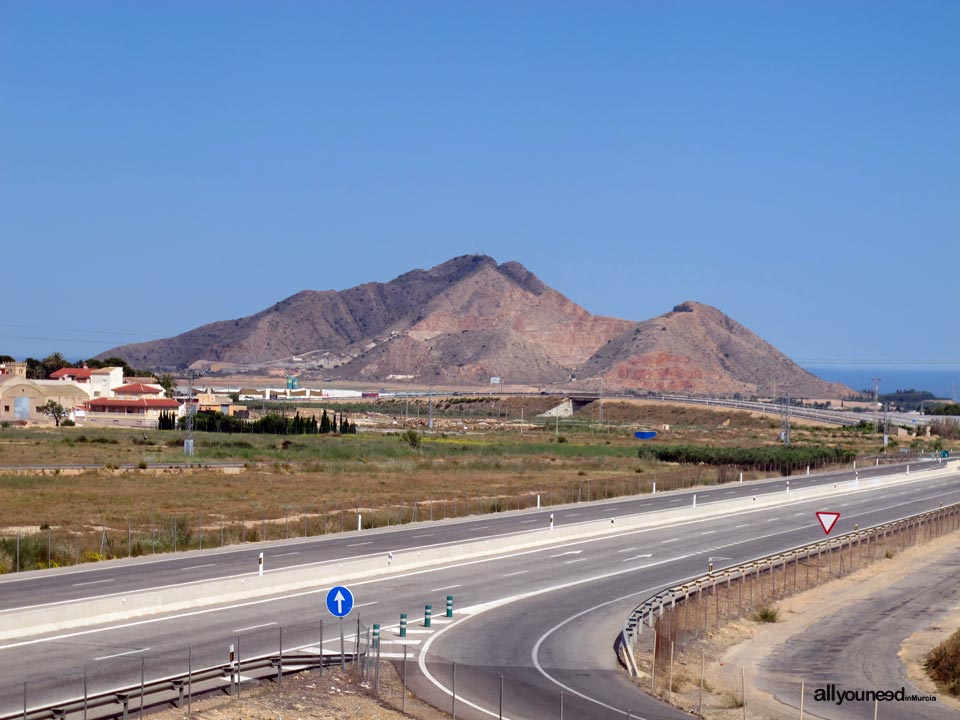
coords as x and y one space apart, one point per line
127 412
98 382
138 391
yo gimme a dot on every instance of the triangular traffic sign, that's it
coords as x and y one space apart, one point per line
828 520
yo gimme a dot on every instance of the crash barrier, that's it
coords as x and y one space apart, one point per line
133 683
122 606
206 528
671 619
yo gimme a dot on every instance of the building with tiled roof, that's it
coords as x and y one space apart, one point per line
98 382
142 412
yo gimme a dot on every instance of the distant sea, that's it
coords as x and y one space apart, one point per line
943 382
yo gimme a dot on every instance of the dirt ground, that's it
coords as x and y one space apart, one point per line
310 696
743 644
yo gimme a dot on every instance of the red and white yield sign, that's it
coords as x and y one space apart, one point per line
828 520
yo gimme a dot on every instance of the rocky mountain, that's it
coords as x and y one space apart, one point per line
469 319
696 348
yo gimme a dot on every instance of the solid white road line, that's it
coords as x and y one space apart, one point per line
93 582
568 552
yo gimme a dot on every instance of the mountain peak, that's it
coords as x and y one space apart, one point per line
469 318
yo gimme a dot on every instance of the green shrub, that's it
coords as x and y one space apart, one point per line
765 614
943 664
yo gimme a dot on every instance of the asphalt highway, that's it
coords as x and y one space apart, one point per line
119 577
544 618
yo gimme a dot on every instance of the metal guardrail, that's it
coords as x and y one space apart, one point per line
773 567
122 702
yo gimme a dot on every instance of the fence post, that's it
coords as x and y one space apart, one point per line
84 693
238 668
18 551
189 681
403 696
453 707
670 677
143 661
700 701
321 647
499 715
129 539
280 664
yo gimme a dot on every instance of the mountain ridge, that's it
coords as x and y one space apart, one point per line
469 319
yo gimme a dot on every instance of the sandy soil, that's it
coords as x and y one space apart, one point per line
308 696
743 645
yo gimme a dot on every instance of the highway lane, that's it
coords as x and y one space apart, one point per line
118 577
566 643
569 579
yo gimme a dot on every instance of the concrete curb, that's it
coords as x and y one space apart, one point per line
117 607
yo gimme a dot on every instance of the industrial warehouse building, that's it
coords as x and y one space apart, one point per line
21 399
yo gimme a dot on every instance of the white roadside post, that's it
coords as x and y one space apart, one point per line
260 565
551 521
359 521
694 500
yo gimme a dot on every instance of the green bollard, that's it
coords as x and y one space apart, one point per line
449 606
427 612
376 635
403 624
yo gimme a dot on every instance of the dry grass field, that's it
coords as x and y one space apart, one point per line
308 485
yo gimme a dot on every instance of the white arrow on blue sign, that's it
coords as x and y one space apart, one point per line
339 601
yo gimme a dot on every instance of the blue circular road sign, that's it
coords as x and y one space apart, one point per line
339 601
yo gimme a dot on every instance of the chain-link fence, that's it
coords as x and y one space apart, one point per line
131 682
197 530
662 632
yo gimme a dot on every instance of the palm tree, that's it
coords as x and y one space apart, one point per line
53 362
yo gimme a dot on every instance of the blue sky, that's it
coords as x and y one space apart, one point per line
796 164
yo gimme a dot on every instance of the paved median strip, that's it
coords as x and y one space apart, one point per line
242 587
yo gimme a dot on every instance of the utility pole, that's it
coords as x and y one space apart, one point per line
601 401
876 399
188 442
786 420
886 431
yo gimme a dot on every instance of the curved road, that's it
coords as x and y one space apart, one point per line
545 618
